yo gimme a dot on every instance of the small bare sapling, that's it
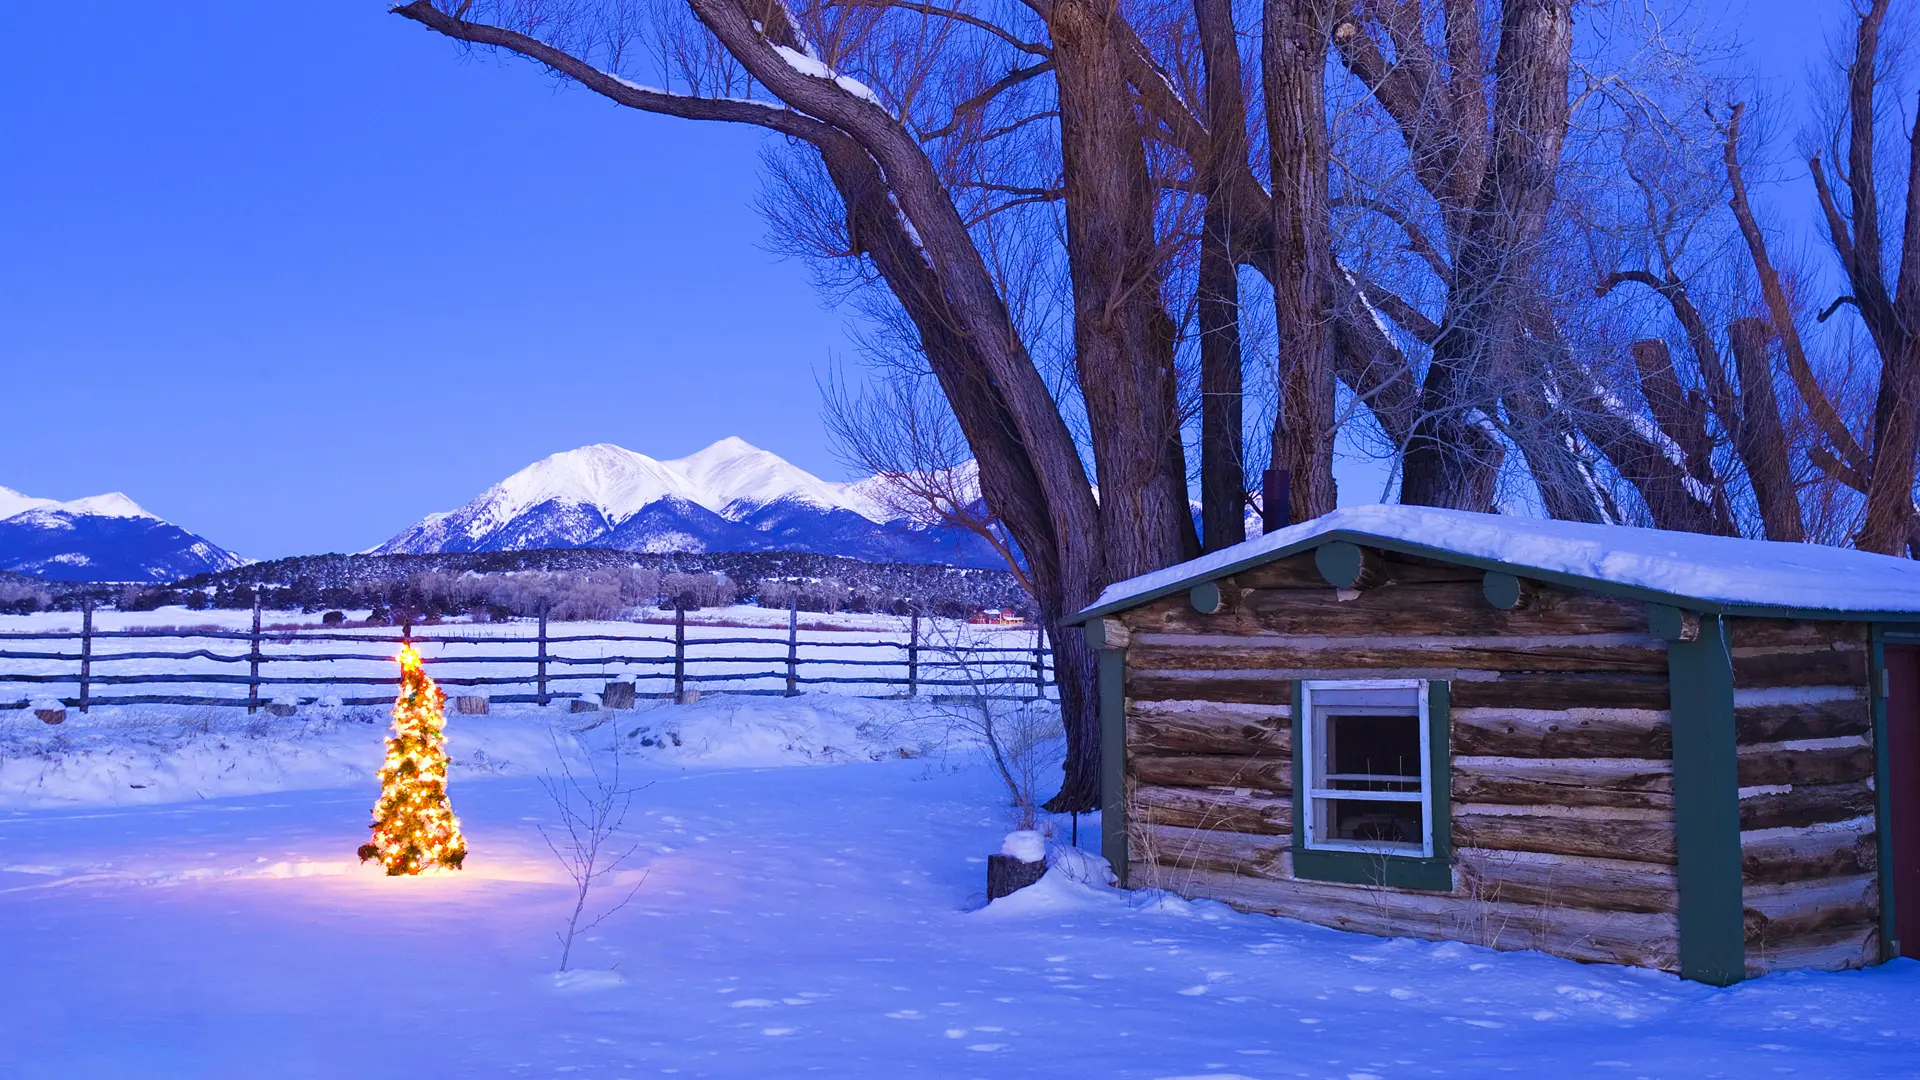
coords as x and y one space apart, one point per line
1021 735
593 809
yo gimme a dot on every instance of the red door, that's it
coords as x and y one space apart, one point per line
1903 752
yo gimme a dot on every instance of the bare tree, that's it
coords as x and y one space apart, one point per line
1883 469
592 810
1020 734
1811 448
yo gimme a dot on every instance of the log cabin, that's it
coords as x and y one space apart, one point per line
1692 753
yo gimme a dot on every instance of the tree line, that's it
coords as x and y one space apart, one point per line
566 584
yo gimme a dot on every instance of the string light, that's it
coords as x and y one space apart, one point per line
413 823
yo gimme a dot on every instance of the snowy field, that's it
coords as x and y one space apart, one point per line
843 647
181 900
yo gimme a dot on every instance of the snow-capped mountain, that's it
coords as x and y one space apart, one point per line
731 496
100 538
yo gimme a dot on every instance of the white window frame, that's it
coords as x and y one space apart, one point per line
1313 797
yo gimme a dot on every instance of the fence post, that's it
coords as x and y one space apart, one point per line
793 646
679 652
253 658
913 656
541 659
86 651
1040 662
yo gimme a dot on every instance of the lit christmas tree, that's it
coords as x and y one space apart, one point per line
413 823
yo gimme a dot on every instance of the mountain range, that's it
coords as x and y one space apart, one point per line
100 538
731 496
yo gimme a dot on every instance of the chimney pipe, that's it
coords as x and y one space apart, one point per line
1276 493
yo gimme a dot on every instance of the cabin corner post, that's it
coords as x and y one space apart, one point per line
1706 808
1108 639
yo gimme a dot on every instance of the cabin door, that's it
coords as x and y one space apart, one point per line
1903 753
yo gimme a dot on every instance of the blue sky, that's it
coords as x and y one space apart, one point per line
295 275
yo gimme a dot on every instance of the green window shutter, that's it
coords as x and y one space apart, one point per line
1113 760
1440 746
1298 724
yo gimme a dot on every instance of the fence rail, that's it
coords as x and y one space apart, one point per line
898 668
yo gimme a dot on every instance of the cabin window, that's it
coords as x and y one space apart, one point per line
1367 767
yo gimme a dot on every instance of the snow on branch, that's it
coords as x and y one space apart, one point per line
807 65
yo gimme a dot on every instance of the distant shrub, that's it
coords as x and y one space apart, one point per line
22 599
695 591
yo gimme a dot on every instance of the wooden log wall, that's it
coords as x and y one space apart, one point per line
1562 775
1803 720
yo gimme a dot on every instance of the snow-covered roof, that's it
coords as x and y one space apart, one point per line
1720 573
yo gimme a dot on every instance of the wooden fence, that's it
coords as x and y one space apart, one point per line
914 666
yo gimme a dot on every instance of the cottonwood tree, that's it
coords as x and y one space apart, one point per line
1046 205
903 220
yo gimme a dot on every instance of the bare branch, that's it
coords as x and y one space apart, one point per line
1827 313
608 85
937 11
980 100
1400 310
1819 405
1417 240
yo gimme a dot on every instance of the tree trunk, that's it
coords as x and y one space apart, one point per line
1075 667
1223 517
1542 433
1294 63
1123 337
1896 438
1453 457
1759 437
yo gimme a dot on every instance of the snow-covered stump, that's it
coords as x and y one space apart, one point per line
50 710
284 705
617 695
581 704
471 704
1021 862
